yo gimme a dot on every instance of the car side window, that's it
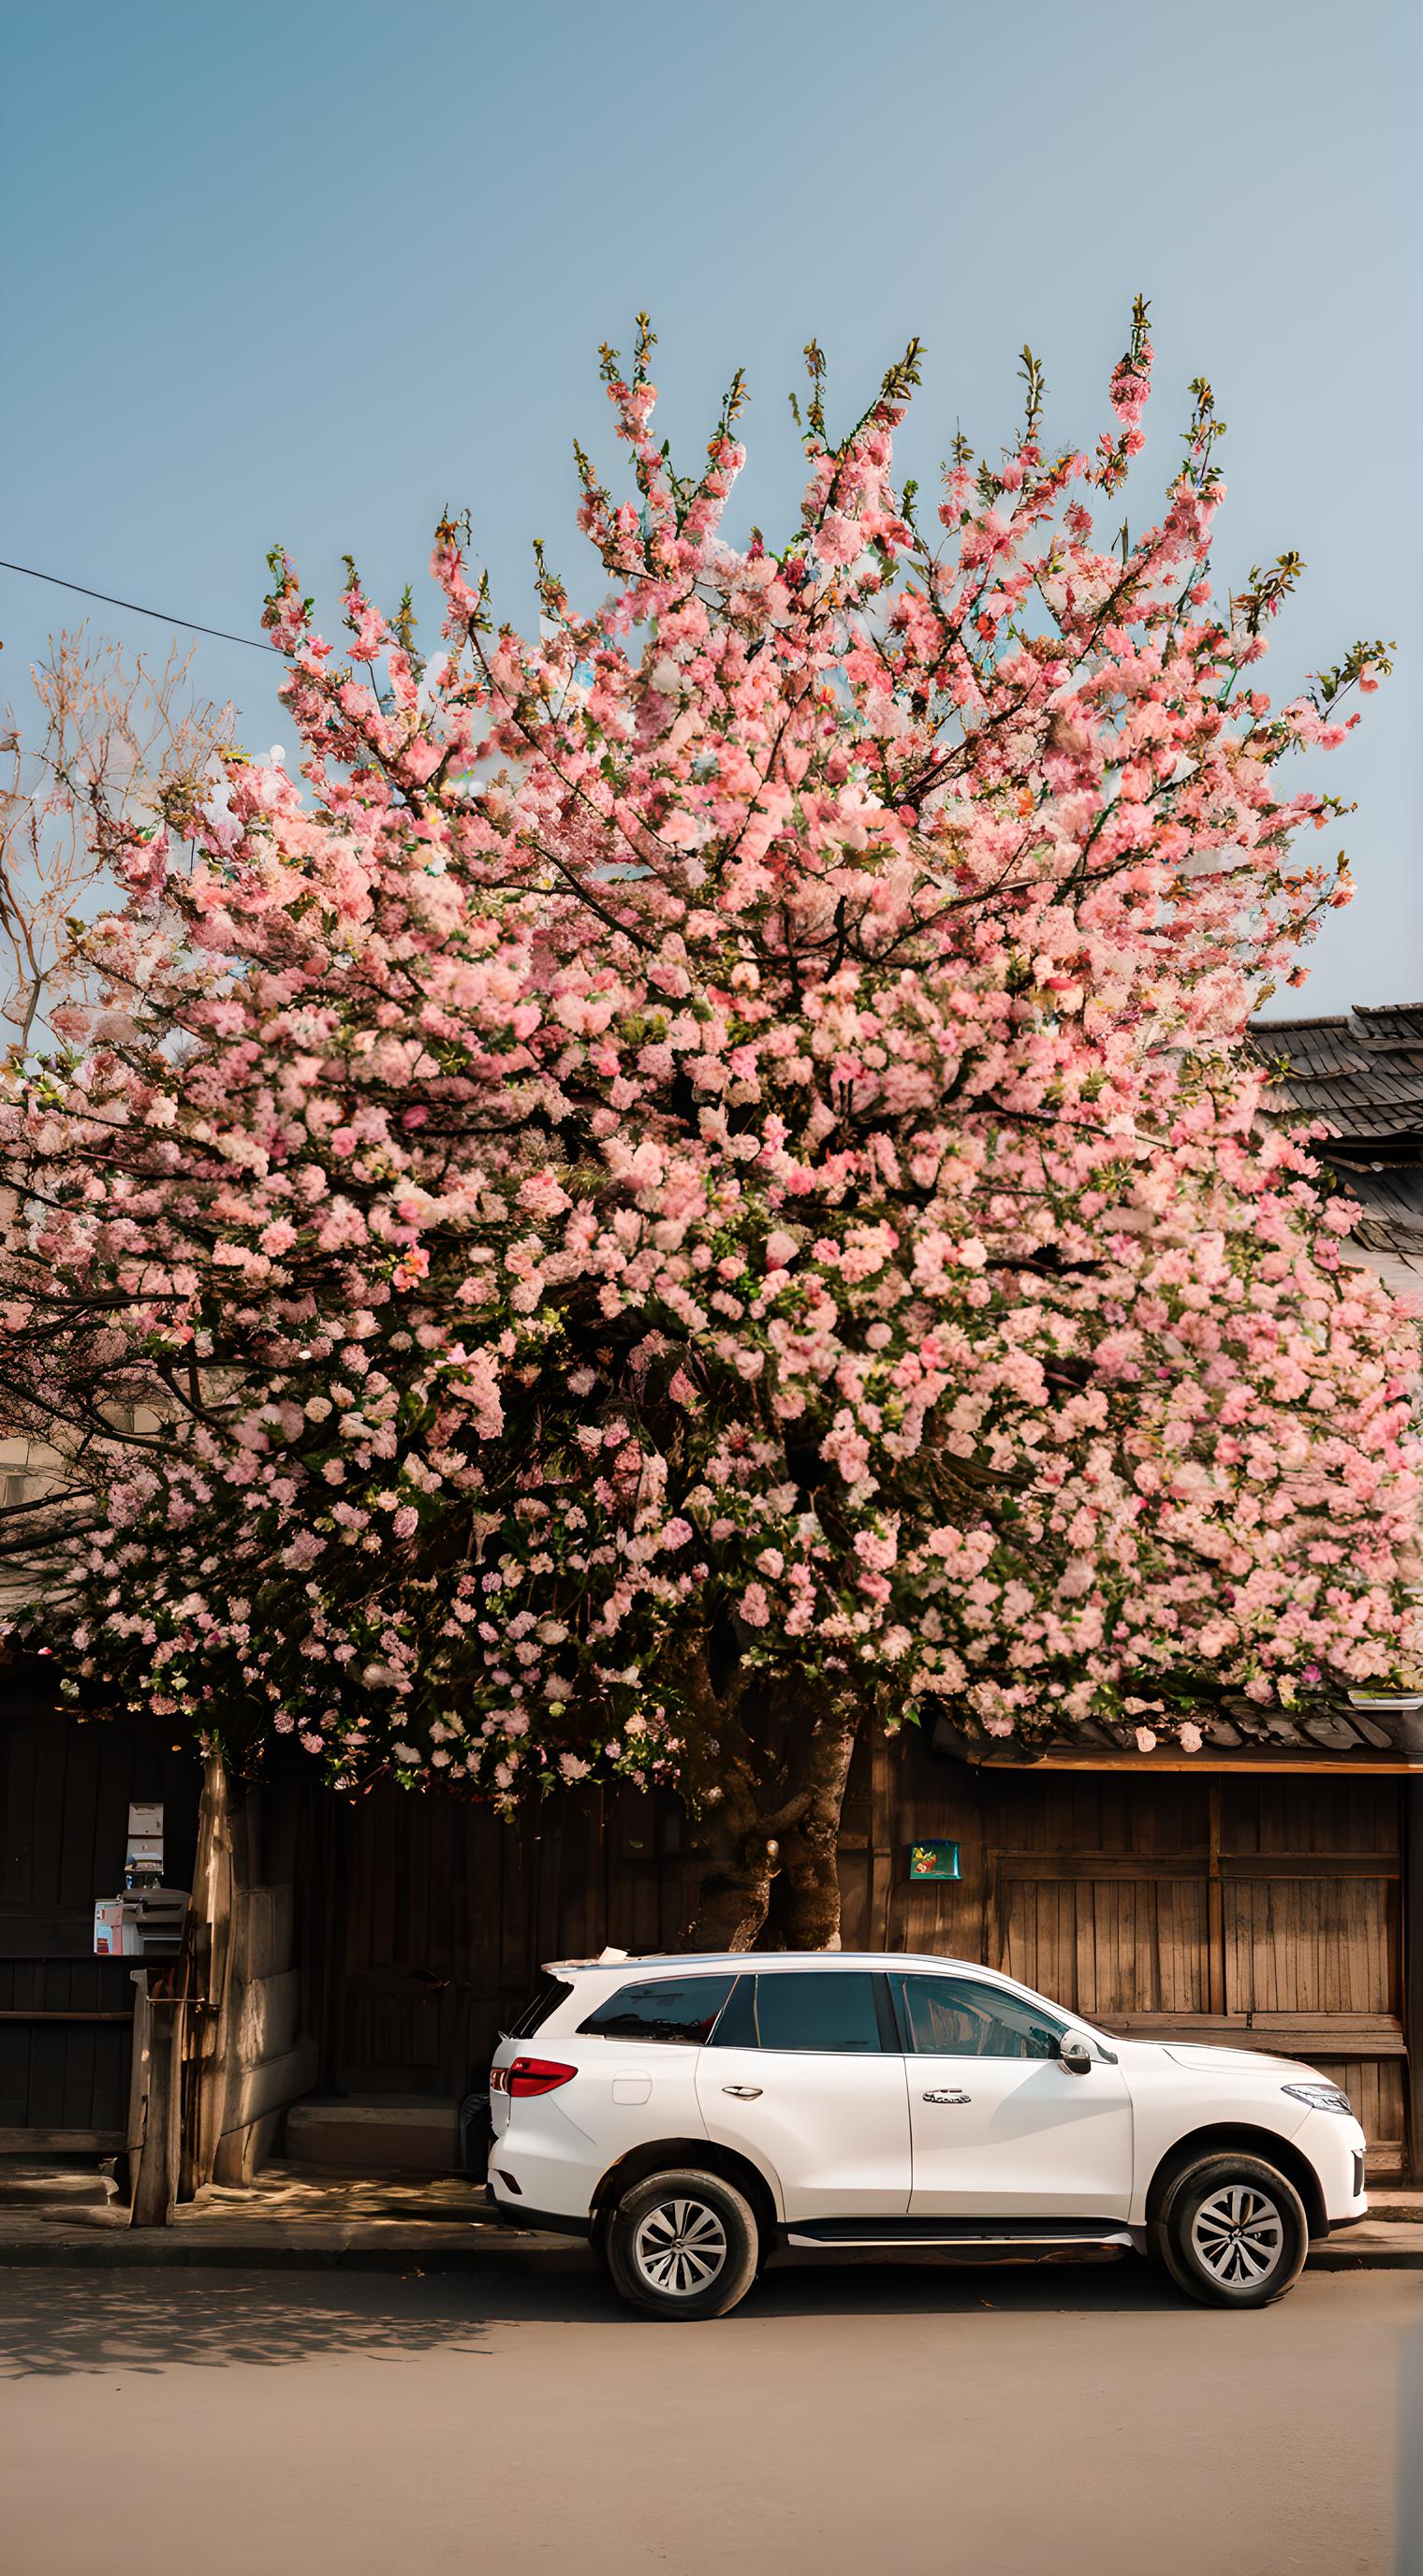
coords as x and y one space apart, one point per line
826 2012
957 2017
552 1992
736 2027
662 2008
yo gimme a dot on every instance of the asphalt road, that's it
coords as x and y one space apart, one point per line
859 2419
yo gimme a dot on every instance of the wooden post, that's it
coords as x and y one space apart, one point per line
140 2074
170 2155
1215 1908
1412 2000
882 1828
216 1897
155 2186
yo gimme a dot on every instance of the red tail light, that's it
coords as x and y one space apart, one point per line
535 2075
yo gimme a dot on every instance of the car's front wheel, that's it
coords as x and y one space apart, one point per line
682 2244
1232 2231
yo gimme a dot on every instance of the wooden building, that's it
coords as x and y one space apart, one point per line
1270 1898
1267 1893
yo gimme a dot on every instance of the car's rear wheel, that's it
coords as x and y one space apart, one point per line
1232 2231
682 2244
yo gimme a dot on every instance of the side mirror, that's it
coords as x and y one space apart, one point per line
1074 2055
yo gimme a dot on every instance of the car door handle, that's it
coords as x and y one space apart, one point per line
744 2092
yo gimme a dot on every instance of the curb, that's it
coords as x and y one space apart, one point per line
161 2249
1367 2258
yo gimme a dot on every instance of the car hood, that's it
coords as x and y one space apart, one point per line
1226 2061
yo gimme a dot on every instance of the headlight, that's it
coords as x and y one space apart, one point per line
1321 2097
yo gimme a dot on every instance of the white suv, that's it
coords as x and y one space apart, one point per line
692 2115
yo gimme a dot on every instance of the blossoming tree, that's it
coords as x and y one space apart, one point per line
696 1190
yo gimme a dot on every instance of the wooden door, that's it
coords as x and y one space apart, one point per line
1098 1893
1310 1925
1257 1909
436 1914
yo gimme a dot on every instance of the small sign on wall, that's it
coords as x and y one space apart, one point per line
934 1860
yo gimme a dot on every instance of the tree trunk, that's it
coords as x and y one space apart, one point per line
805 1896
767 1786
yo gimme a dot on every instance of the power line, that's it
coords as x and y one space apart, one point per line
137 607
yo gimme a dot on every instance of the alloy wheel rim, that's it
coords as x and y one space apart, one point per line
680 2247
1238 2236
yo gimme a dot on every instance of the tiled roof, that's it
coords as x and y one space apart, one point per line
1378 1734
1360 1077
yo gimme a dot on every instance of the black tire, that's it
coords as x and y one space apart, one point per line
1232 2231
682 2244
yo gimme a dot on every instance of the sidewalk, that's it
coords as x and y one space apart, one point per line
292 2217
299 2218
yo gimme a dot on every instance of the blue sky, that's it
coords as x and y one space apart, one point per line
312 272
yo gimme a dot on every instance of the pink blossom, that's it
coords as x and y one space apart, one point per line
701 1106
839 540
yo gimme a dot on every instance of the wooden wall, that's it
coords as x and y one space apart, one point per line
423 1921
65 2016
1259 1910
1263 1910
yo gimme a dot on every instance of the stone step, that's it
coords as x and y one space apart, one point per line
374 2134
34 2182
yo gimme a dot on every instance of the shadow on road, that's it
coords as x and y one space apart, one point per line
54 2323
801 2285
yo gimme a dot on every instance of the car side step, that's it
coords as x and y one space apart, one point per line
940 2236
